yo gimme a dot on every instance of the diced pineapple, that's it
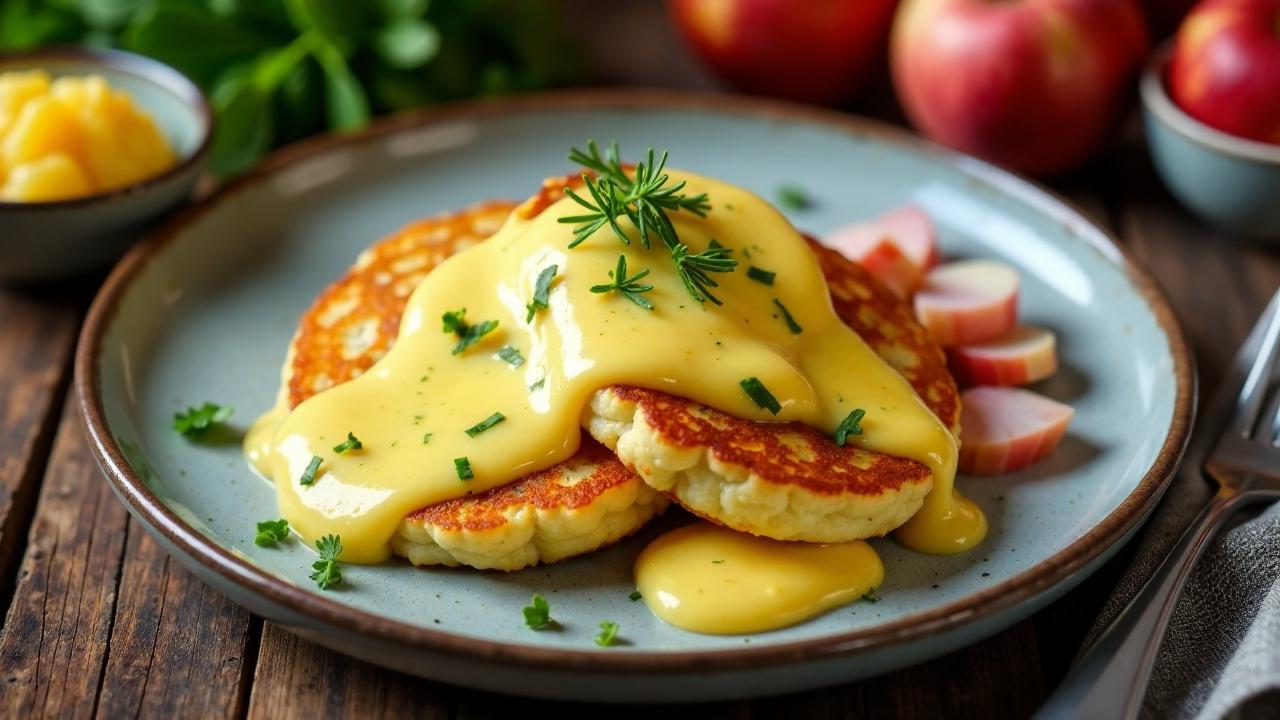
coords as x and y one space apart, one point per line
52 177
16 88
43 127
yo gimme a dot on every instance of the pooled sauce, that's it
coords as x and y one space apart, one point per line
411 411
709 579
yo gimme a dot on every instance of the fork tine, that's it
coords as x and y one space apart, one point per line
1266 336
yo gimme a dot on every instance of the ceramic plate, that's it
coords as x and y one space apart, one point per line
204 310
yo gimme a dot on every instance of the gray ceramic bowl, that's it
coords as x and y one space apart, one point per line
47 240
1227 180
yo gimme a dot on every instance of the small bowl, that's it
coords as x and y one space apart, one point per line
1227 180
62 238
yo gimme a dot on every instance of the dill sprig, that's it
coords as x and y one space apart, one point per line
645 200
629 287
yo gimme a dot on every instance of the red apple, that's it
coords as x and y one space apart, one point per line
819 51
1030 84
1225 70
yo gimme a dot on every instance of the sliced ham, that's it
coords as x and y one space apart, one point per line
968 302
1023 355
1005 429
897 247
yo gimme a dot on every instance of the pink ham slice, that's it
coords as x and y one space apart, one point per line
1005 429
1023 355
897 247
968 302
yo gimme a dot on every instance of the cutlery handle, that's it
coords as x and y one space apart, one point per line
1110 680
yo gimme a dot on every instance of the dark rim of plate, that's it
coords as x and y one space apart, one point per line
317 608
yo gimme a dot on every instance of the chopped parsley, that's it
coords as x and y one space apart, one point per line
195 422
485 424
456 322
793 197
634 596
538 615
271 532
629 287
462 466
325 571
608 632
786 317
541 292
309 475
761 276
760 395
351 443
849 426
511 356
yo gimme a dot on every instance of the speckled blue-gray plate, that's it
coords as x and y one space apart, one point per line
205 309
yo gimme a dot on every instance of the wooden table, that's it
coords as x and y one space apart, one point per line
100 621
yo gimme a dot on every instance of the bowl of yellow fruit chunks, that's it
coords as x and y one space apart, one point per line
96 146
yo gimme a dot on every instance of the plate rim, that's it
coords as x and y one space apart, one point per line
998 598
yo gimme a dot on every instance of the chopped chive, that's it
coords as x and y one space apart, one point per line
455 322
760 394
786 317
485 424
512 356
271 532
849 426
462 466
351 443
309 475
538 385
717 562
608 632
761 276
426 438
634 596
541 292
794 197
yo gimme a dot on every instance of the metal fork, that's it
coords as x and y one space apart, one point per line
1111 679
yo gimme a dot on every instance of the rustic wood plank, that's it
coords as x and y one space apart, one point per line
178 648
54 641
299 679
36 338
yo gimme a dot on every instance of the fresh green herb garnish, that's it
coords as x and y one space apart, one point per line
608 631
512 356
456 322
634 596
271 532
645 201
309 475
538 385
629 287
195 422
717 562
794 197
871 596
426 438
761 276
351 443
849 426
786 317
541 292
462 466
485 424
325 571
538 615
760 394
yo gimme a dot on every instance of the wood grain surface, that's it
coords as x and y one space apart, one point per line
100 622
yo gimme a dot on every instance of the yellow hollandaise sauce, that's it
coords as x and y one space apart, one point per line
709 579
439 418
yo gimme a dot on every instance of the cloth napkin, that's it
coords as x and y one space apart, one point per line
1221 655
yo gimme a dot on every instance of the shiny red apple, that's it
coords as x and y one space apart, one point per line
1225 70
1033 85
818 51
